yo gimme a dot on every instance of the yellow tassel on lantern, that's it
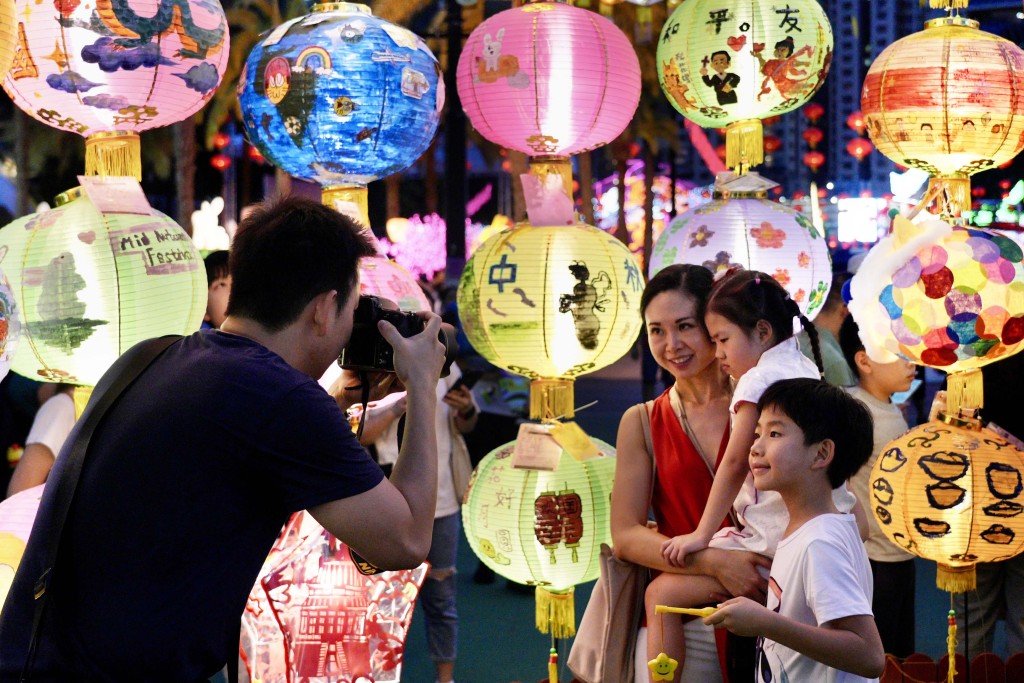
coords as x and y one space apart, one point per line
956 579
81 396
947 4
349 200
744 145
548 165
951 647
551 398
556 613
954 195
116 153
965 390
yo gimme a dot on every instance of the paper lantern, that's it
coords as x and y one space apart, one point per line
549 80
340 97
734 63
91 284
948 100
856 122
7 34
812 136
384 278
859 148
551 303
951 493
542 528
313 616
111 70
814 161
17 514
751 232
10 326
813 111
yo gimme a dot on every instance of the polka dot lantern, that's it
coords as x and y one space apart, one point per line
110 70
340 98
542 528
91 284
753 233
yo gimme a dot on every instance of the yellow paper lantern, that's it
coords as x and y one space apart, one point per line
92 284
736 62
951 492
948 100
7 34
551 303
541 528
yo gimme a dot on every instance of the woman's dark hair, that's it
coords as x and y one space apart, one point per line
745 297
787 43
288 252
694 281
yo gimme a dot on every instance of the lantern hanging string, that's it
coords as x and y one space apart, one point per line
559 418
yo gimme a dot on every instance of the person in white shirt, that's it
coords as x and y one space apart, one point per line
50 428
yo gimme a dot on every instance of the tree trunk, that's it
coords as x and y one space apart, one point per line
621 230
393 189
587 186
185 171
430 178
282 182
649 173
519 165
22 206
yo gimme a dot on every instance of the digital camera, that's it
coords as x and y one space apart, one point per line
367 349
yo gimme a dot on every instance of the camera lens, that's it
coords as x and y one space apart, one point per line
451 347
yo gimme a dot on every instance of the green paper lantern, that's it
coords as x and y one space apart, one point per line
90 285
542 528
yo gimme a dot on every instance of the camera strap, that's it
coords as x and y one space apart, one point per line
364 398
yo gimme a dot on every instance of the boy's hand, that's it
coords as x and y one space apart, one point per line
742 616
675 550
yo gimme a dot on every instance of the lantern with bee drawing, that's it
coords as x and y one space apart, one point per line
551 303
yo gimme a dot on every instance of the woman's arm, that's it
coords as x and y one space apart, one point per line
728 479
33 468
378 419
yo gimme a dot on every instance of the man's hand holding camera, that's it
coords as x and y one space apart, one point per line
418 359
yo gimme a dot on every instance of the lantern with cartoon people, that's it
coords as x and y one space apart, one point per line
714 65
108 71
341 97
551 303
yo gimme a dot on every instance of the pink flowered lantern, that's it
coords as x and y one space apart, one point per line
549 80
745 229
17 514
110 70
312 616
385 278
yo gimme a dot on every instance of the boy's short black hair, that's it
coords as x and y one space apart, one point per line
823 411
850 343
288 252
216 263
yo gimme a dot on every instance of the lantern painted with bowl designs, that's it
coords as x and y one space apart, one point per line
542 528
948 100
748 230
110 70
551 303
549 80
92 284
952 492
731 64
340 98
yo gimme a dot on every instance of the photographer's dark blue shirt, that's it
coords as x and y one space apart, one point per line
187 482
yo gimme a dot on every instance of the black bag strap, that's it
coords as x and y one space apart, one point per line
121 375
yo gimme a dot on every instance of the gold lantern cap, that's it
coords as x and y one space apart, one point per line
750 185
67 197
346 7
952 21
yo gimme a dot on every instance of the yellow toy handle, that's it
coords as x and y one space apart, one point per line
702 612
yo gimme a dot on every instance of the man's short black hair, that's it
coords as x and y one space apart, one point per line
286 253
823 411
216 263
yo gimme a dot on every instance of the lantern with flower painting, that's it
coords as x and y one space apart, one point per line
340 97
733 64
110 70
551 303
948 100
549 80
746 229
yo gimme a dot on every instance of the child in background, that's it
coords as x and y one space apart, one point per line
891 566
218 283
750 316
817 625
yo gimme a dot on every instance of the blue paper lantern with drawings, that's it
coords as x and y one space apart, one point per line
341 97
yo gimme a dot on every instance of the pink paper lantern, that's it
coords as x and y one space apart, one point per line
549 79
111 70
385 278
17 514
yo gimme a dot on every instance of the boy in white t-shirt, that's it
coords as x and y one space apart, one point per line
810 438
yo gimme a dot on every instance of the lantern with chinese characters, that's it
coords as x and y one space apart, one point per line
735 63
549 80
951 492
90 284
112 70
340 97
17 515
551 303
747 230
948 100
949 297
313 616
542 528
